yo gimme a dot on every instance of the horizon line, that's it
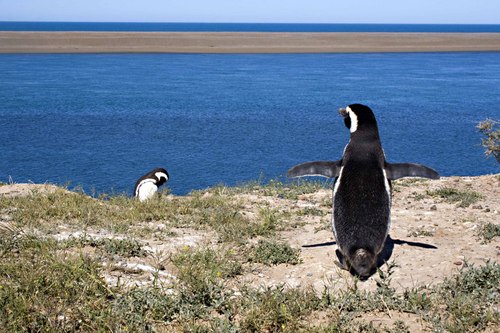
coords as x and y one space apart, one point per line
227 22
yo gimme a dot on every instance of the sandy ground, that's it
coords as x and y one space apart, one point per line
243 42
430 239
452 238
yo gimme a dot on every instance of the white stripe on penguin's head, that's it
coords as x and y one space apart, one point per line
160 175
354 120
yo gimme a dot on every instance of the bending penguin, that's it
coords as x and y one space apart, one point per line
362 191
146 186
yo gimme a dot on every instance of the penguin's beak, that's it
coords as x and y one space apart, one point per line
343 112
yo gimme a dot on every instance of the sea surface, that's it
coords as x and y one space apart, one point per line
100 121
244 27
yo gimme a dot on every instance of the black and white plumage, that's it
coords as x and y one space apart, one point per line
146 186
362 190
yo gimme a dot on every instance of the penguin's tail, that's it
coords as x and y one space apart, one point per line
363 261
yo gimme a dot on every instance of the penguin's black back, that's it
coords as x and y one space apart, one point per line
361 201
362 190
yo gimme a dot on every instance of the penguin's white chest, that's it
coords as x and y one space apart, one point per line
146 190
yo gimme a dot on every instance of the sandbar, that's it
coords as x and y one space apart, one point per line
243 42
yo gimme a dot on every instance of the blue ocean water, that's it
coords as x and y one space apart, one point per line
244 27
102 120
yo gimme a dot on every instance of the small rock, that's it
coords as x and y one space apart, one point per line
309 274
458 263
487 210
434 207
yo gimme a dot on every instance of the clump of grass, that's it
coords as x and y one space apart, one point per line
45 290
399 327
311 211
407 182
270 221
420 232
292 190
270 252
417 196
277 188
224 216
468 301
278 310
126 247
142 308
201 275
220 263
453 195
384 281
488 231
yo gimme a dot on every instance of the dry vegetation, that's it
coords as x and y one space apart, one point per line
255 258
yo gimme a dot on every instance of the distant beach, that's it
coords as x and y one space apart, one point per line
243 42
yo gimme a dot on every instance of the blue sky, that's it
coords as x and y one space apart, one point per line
286 11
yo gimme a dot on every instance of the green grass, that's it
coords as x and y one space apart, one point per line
126 247
312 211
488 231
60 286
452 195
201 277
418 196
469 301
120 214
278 310
45 289
214 264
420 232
408 182
77 210
291 189
274 253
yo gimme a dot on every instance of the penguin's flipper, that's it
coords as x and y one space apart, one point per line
399 170
329 169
